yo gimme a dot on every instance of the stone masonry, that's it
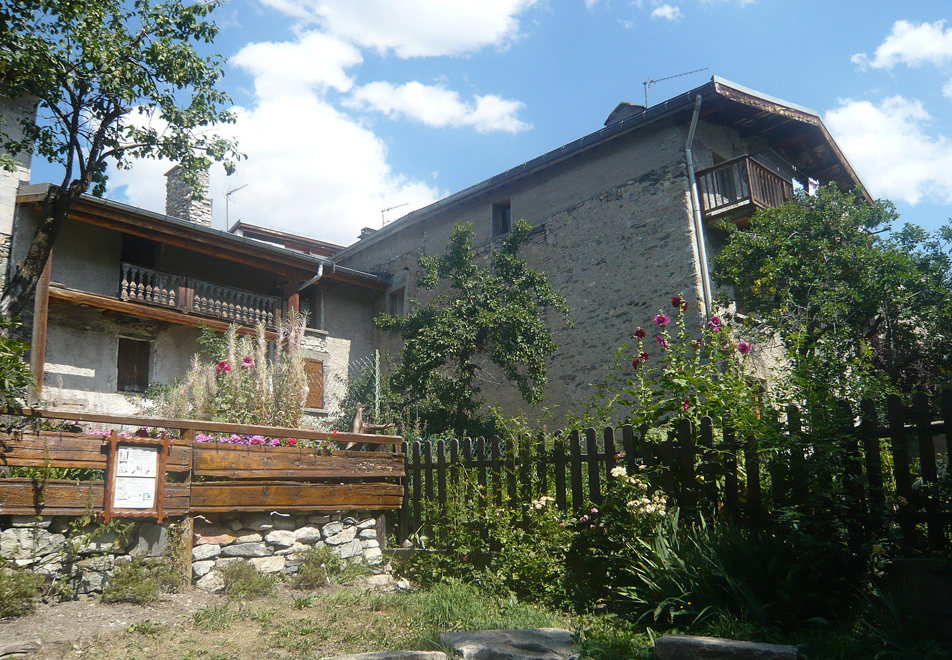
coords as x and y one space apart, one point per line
183 203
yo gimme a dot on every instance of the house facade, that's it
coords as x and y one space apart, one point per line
624 218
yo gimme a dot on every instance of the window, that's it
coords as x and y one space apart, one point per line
395 302
502 218
314 375
132 364
139 251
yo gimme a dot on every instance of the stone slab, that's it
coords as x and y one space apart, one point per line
392 655
517 644
689 647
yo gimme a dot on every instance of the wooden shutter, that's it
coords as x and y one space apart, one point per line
314 372
132 364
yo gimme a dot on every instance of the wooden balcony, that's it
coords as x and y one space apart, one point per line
191 296
737 188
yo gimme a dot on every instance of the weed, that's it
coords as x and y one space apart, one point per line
303 603
242 580
320 567
141 581
19 591
147 628
261 614
213 617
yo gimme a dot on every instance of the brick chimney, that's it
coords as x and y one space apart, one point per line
181 203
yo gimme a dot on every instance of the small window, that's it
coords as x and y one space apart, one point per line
502 218
314 374
132 364
396 304
139 251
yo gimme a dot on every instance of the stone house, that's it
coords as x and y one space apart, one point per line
624 218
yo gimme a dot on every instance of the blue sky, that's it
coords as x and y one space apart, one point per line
347 107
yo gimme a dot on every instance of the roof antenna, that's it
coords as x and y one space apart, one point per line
227 195
649 83
383 213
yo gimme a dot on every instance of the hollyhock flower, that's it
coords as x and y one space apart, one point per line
644 357
662 342
662 320
676 302
744 348
635 362
639 334
223 368
687 404
247 362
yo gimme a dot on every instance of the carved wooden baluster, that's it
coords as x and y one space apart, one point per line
124 284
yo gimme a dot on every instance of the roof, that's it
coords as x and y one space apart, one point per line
205 240
796 133
294 242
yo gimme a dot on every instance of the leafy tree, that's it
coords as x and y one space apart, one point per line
495 316
862 310
112 81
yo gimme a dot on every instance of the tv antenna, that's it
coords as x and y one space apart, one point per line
227 195
649 83
383 213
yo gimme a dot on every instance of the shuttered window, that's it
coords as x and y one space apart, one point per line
133 365
314 372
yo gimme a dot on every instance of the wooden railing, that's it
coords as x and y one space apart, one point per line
232 304
153 287
232 477
149 286
740 184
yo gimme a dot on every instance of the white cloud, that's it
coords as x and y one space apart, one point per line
413 28
314 60
439 107
894 155
911 44
667 12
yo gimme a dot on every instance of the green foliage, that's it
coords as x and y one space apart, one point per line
19 591
668 376
243 580
861 311
320 567
16 380
214 617
477 318
141 581
239 380
494 546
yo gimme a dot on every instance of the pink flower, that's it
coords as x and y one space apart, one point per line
292 442
744 348
728 346
583 519
662 320
334 432
639 334
247 362
662 342
594 510
223 368
687 404
698 342
275 442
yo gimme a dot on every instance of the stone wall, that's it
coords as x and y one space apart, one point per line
82 558
11 111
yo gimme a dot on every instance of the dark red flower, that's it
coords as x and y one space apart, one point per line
676 302
640 334
644 357
636 362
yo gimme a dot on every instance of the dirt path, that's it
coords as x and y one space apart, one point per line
61 628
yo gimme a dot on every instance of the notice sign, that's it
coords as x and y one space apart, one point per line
135 486
136 469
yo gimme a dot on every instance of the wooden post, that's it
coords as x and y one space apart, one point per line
294 296
41 308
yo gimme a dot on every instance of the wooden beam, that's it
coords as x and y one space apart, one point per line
222 496
63 497
138 310
41 309
72 450
239 462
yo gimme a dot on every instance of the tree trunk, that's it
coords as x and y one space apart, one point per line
56 207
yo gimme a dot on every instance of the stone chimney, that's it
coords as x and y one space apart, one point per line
365 232
181 203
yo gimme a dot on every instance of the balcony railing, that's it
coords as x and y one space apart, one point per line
740 186
191 296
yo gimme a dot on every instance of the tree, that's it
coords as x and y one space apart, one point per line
862 310
112 81
495 316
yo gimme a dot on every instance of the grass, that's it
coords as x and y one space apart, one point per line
141 581
242 580
19 591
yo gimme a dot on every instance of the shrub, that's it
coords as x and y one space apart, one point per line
19 591
243 580
141 581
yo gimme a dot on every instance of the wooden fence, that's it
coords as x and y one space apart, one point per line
889 471
206 477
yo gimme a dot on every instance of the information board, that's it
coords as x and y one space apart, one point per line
136 477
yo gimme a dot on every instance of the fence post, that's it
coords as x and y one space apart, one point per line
628 443
542 468
685 453
852 472
575 451
869 431
797 468
481 464
497 470
752 465
900 454
558 453
512 489
591 455
441 474
609 439
927 467
417 517
525 469
708 490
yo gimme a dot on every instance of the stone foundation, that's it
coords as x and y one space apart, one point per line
81 557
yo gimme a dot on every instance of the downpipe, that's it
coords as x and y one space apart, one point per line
706 289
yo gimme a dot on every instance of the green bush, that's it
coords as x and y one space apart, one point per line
141 581
242 580
19 591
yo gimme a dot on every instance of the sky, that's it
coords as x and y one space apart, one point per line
354 112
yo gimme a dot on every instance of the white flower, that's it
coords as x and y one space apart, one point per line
619 472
